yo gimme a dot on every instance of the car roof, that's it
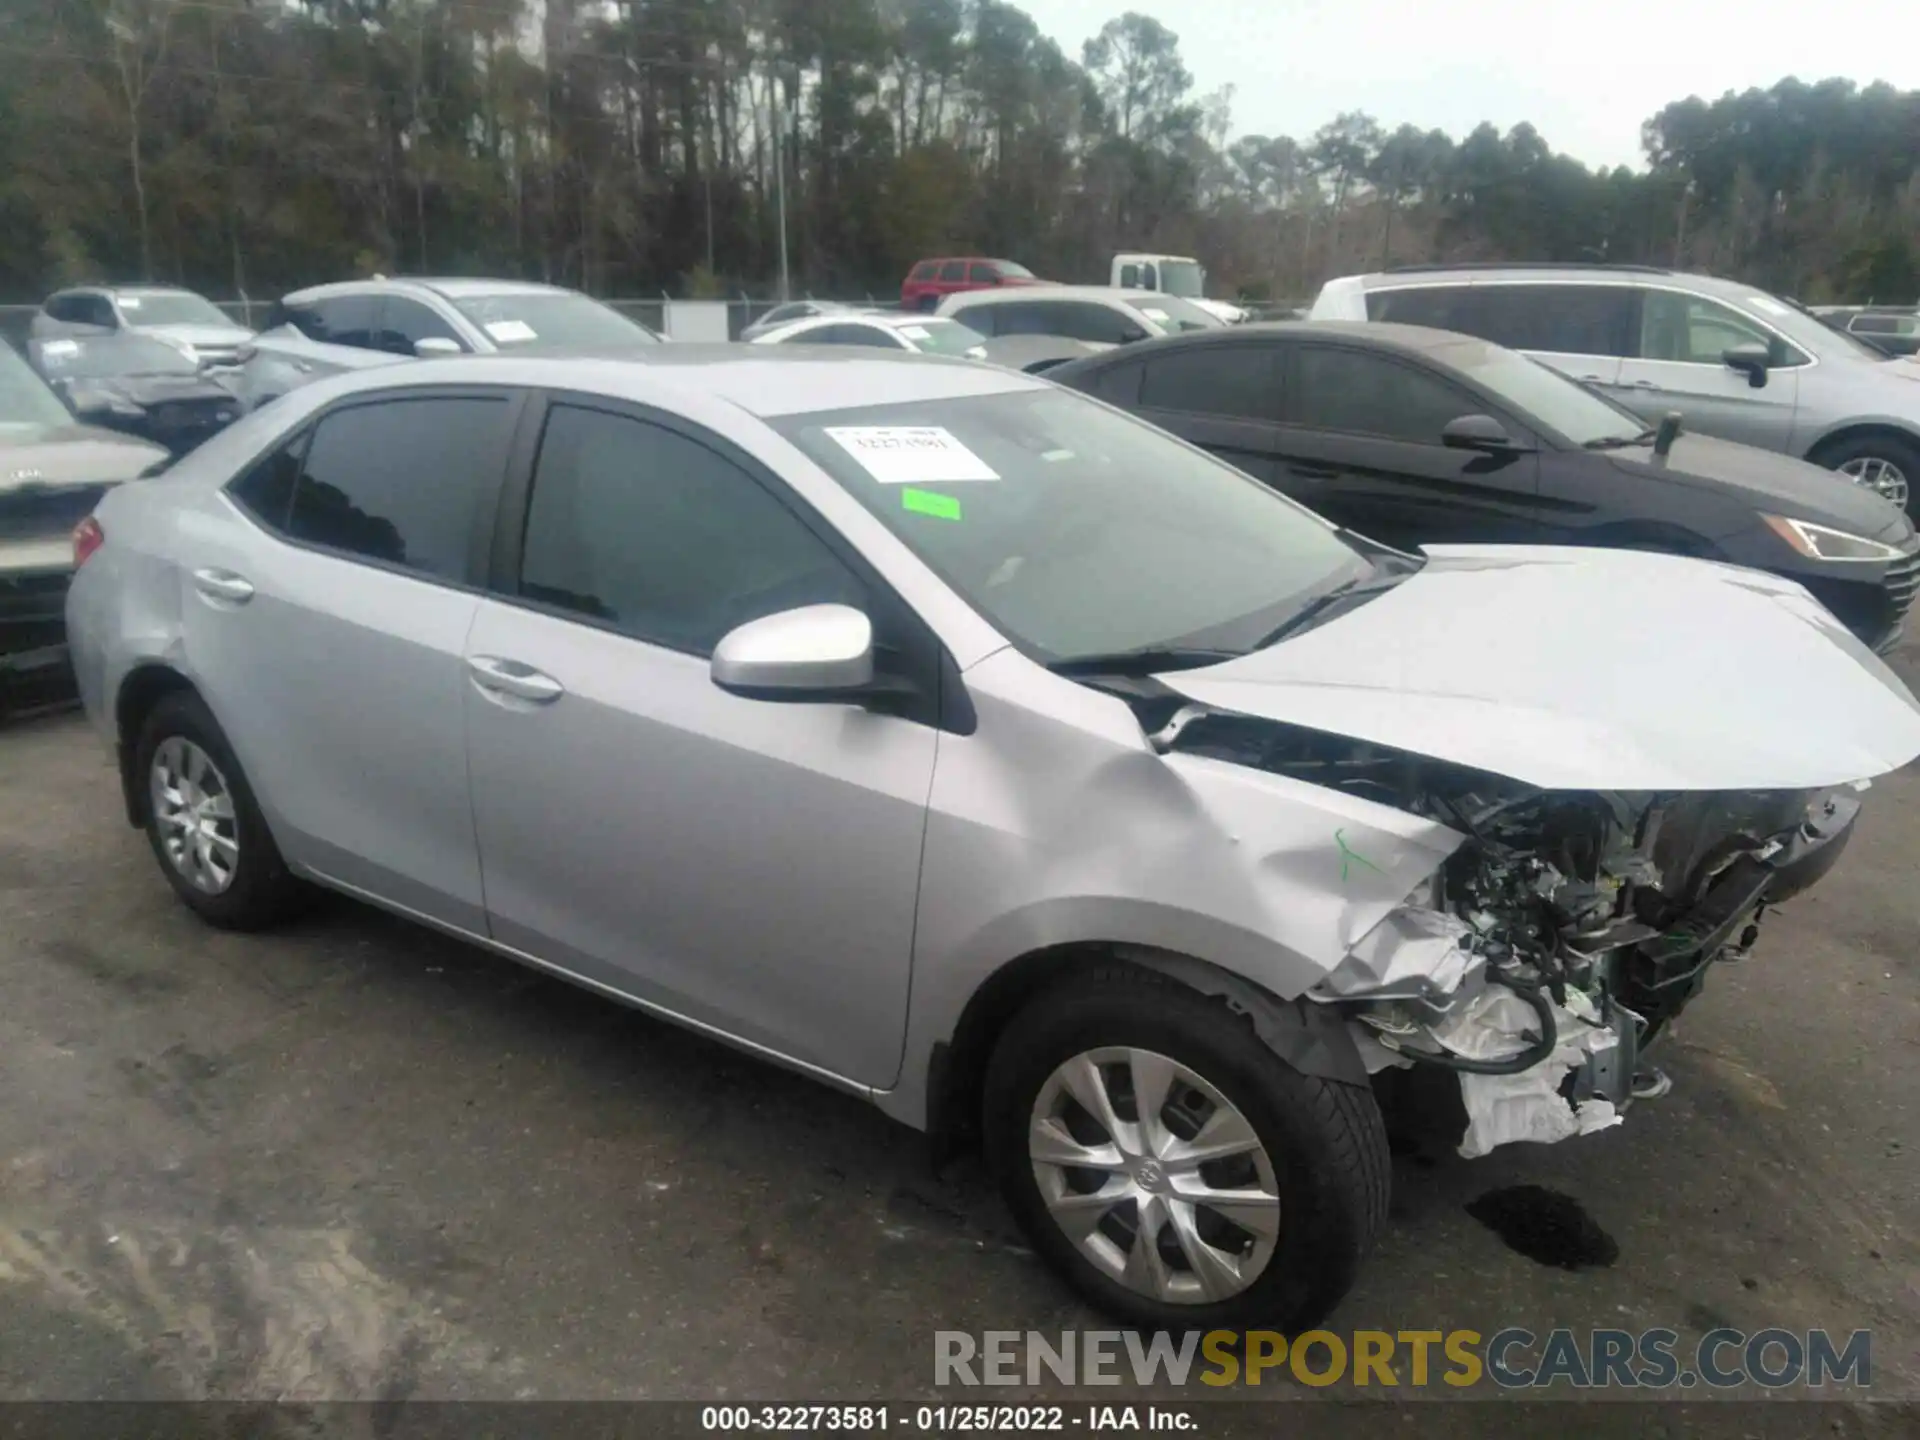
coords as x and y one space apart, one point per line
453 288
764 381
1447 347
1545 273
1026 294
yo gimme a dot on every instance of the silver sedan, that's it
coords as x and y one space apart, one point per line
983 751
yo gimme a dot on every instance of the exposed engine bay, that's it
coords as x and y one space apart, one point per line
1561 937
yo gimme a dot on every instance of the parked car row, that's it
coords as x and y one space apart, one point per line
978 748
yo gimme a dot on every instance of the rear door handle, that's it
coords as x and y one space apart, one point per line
223 585
1313 472
510 677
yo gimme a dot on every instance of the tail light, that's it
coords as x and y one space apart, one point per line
87 538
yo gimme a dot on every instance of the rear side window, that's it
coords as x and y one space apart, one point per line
954 270
1230 380
848 335
1439 307
983 274
657 535
1365 394
1567 319
401 482
1076 320
66 308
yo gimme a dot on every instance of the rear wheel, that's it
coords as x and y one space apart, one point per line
1171 1166
201 819
1886 464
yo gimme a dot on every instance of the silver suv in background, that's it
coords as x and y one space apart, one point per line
1734 361
361 323
1094 314
96 315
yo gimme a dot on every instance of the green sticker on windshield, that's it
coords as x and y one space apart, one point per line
925 502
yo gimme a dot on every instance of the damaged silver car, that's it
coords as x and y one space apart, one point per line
987 753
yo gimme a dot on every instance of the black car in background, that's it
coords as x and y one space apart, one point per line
1414 437
137 385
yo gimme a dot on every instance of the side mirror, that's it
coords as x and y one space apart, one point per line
1749 360
1131 334
817 652
1480 433
435 345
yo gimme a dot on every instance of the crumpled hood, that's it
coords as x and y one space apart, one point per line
1588 670
1774 482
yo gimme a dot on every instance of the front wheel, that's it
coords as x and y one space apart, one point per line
1171 1166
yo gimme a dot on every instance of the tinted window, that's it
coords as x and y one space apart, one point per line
1231 380
1077 320
1366 394
403 323
1694 330
553 320
266 491
342 320
924 270
1566 319
848 335
983 274
954 270
641 527
66 308
983 318
170 307
401 481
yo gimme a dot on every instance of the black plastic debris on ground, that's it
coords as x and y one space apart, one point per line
1545 1226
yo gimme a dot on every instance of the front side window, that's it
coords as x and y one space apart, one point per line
981 274
1074 319
643 529
401 481
1213 379
1359 393
404 323
1694 330
1075 530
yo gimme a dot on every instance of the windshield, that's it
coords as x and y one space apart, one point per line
24 396
169 307
943 337
1171 315
1183 277
1018 272
1543 396
549 320
107 358
1077 531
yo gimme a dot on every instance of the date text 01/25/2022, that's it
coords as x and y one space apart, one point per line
945 1419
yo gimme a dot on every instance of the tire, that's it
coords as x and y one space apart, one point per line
1324 1143
1895 450
258 889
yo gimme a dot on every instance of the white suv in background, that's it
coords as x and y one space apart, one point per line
361 323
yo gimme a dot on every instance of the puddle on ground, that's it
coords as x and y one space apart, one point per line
1545 1226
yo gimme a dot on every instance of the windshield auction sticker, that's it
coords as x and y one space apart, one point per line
910 454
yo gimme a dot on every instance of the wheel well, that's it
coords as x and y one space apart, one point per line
143 689
1310 1037
1829 443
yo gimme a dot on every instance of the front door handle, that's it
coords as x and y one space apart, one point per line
510 677
223 585
1314 472
1643 385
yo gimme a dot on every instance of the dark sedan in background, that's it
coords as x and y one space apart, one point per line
1412 436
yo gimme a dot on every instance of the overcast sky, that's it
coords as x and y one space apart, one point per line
1585 74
